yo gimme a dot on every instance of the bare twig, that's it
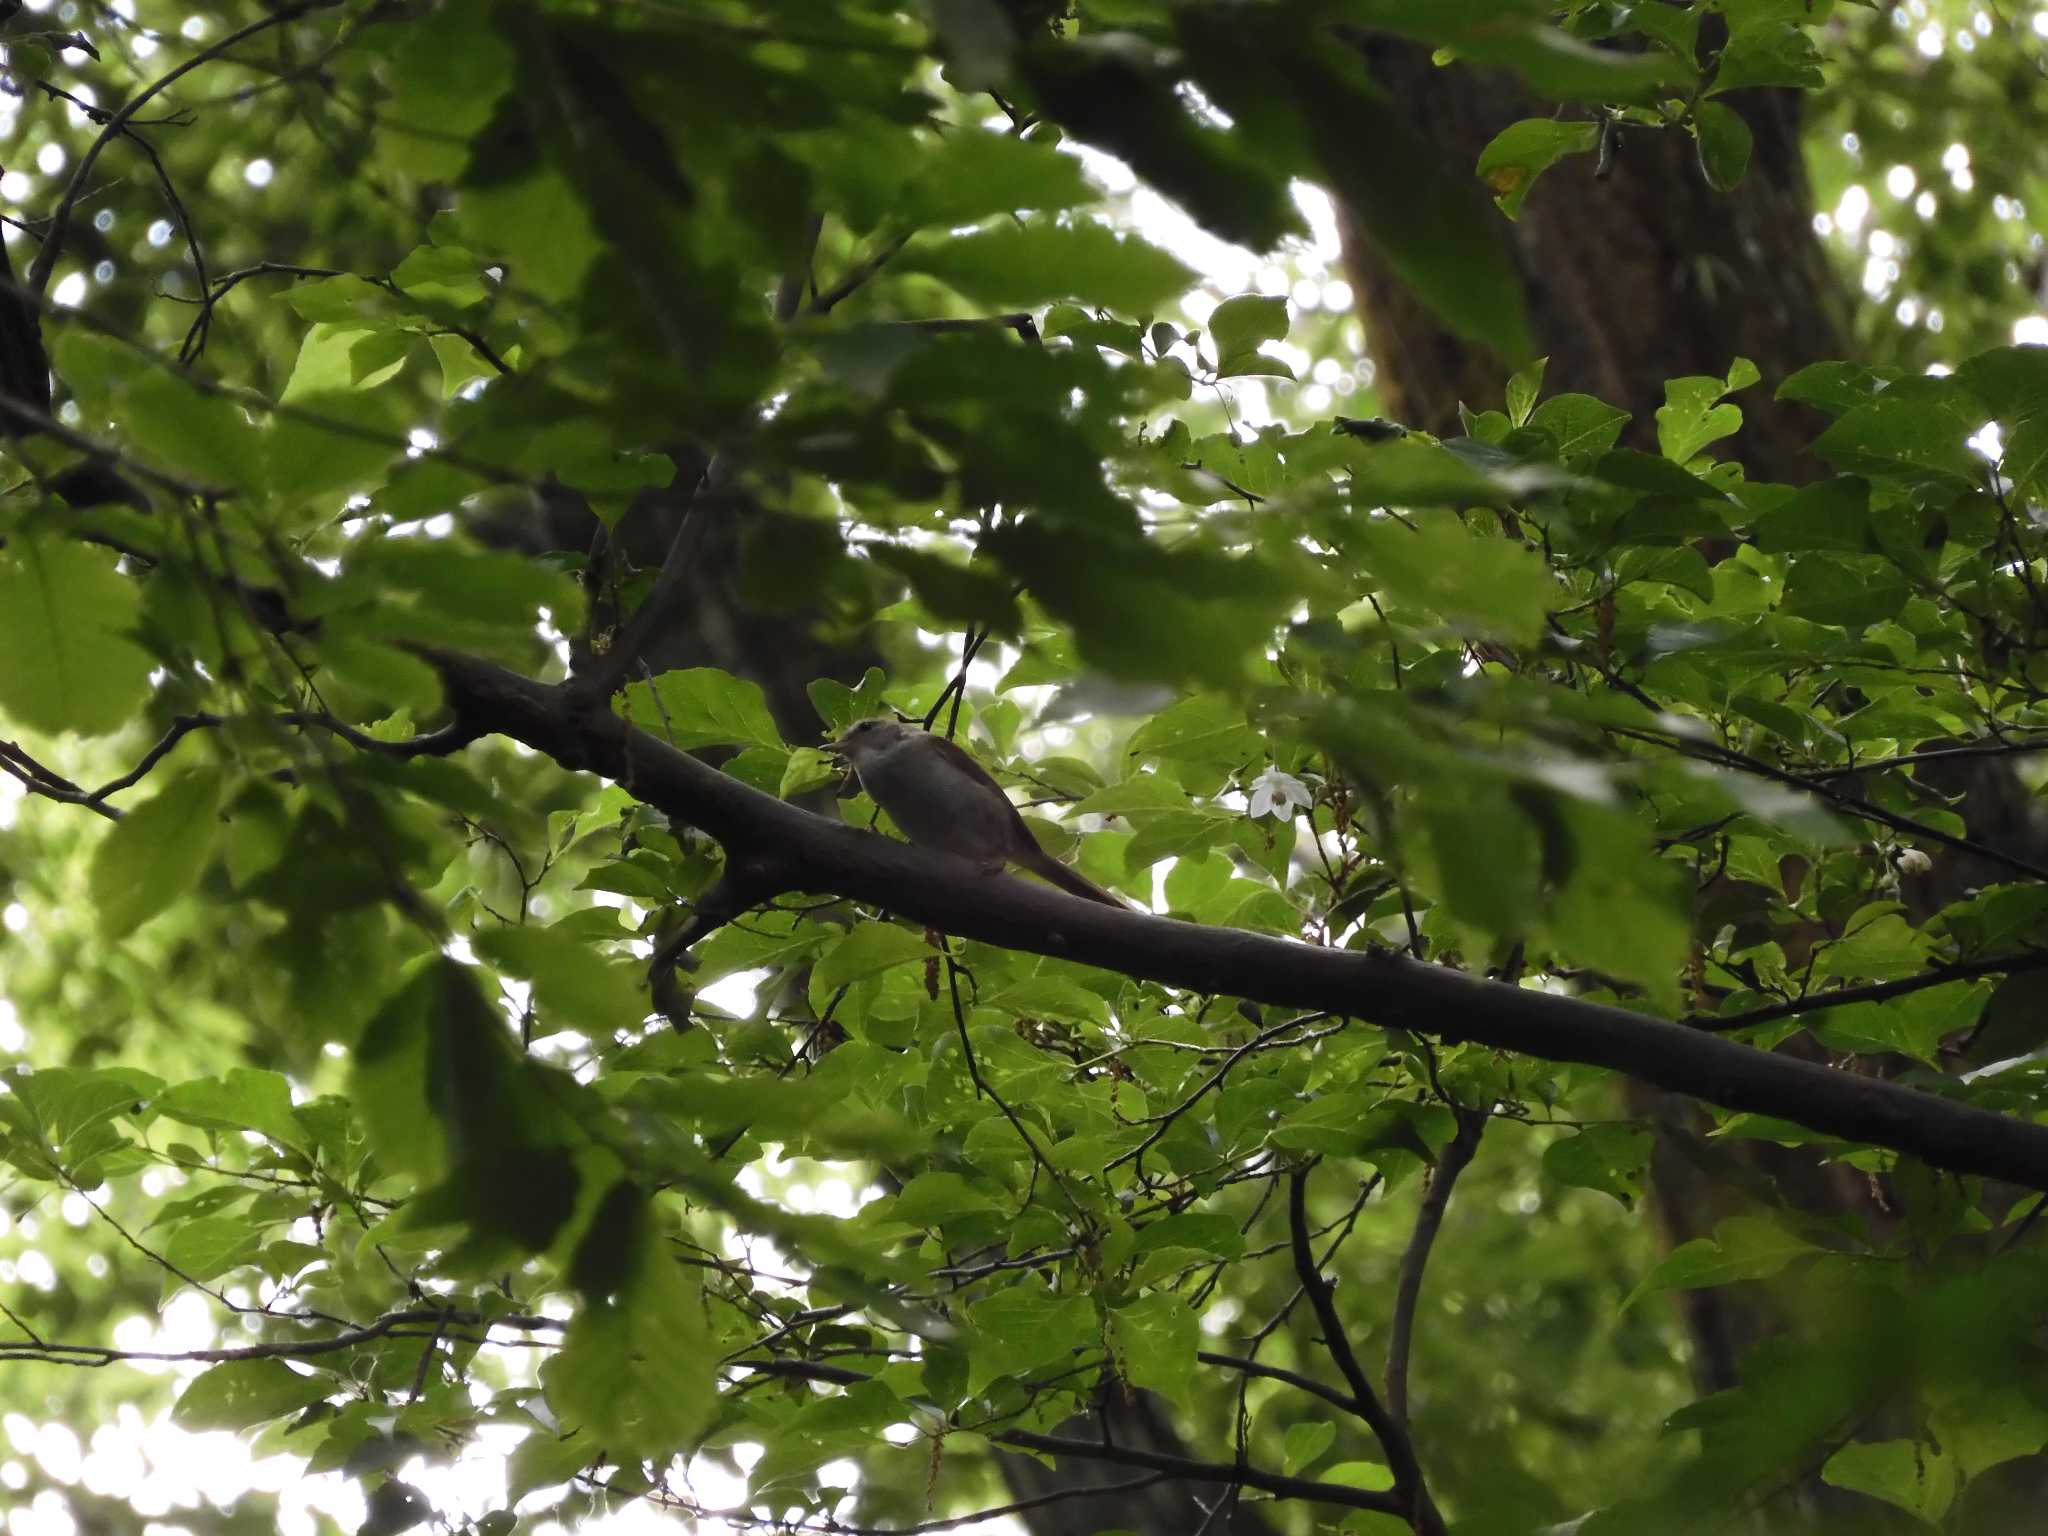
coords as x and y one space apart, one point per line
1214 1080
1428 1221
1876 992
118 121
1415 1503
982 1087
391 1325
857 277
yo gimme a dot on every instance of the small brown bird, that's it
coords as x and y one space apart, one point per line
941 797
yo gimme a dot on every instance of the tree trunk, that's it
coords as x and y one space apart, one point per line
1632 278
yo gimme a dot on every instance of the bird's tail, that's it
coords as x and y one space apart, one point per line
1073 882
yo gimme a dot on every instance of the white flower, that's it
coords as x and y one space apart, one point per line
1277 794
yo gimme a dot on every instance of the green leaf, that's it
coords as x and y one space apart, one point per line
1037 262
1524 150
543 1460
1779 54
1153 1342
156 853
1843 590
1523 389
1205 732
1742 1248
702 707
1836 387
1237 326
1918 1476
809 769
636 1374
1724 143
1613 1159
1877 944
1829 514
1581 428
934 1197
1023 1328
242 1393
1304 1444
1690 419
1491 586
461 363
209 1246
975 173
71 1110
1917 428
176 424
570 978
347 301
867 950
442 275
65 616
349 442
244 1100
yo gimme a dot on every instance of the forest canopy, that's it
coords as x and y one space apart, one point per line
1511 536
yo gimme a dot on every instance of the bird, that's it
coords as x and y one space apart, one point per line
942 798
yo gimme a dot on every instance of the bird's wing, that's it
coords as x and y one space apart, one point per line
1025 848
960 757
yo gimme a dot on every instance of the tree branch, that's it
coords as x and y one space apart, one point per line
1415 1503
1876 992
1295 1379
1182 1467
1380 987
1428 1220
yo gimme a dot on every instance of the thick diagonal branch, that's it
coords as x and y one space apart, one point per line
1383 988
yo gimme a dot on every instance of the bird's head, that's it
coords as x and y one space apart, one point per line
866 739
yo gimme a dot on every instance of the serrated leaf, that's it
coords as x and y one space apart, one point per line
1153 1341
702 707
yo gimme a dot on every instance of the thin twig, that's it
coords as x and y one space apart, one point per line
1392 1434
118 121
1214 1080
856 277
1428 1221
981 1086
1876 992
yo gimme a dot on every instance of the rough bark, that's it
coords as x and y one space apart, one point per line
1632 278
